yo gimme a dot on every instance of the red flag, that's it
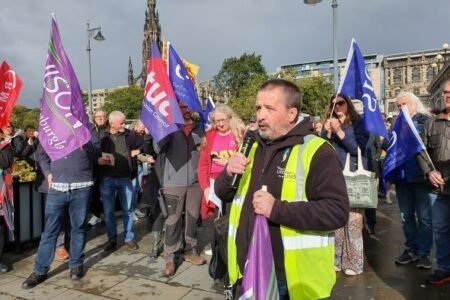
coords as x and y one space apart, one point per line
10 85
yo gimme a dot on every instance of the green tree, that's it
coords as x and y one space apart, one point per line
236 72
286 73
316 92
128 100
22 116
244 104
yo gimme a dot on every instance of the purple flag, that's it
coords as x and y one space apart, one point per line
260 282
63 123
160 111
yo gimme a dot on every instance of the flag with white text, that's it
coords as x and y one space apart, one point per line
63 122
182 85
404 144
160 112
207 112
356 83
10 86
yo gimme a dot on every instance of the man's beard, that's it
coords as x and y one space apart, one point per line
264 136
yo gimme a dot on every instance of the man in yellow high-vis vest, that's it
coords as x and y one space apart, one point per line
305 201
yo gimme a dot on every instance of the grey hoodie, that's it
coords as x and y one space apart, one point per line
178 157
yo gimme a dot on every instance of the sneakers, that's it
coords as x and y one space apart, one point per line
406 258
76 273
228 292
110 246
439 277
94 220
424 262
132 245
33 280
169 270
195 259
3 268
139 213
61 254
350 272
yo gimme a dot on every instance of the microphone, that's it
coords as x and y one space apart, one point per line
245 149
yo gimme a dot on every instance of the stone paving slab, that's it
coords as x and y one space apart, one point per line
117 261
94 282
197 295
42 291
139 288
79 295
197 277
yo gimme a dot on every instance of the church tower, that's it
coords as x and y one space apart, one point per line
152 31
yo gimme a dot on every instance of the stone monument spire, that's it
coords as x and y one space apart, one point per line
131 79
152 31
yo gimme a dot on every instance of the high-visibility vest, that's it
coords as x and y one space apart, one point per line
308 255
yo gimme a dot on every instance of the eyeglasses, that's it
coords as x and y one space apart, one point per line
339 103
100 117
221 121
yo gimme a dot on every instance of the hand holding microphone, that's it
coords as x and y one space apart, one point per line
238 162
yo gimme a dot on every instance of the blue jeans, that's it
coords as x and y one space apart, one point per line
109 186
441 230
414 200
77 202
137 183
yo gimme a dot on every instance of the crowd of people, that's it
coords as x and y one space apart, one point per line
188 178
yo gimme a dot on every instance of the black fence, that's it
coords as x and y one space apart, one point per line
29 207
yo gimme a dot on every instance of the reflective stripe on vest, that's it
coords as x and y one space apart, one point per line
309 256
235 215
306 241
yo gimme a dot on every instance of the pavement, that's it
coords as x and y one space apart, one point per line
126 274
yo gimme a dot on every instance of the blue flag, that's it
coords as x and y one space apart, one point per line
208 109
356 83
404 144
160 111
182 85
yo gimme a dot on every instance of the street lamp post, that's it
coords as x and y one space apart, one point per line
98 37
334 5
445 47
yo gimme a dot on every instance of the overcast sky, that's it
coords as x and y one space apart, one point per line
207 31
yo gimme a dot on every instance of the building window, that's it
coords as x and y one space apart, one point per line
416 91
430 73
396 92
416 75
397 76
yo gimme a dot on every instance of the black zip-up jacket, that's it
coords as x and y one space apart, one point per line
327 207
436 137
131 142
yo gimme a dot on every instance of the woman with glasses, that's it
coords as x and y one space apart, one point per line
221 142
344 128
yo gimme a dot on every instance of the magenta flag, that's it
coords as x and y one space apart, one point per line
160 111
260 282
63 122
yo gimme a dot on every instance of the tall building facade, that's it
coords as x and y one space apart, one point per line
325 68
410 71
436 86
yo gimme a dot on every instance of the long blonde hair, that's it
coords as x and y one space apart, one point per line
237 126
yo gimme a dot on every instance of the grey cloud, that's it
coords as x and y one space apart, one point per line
208 31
